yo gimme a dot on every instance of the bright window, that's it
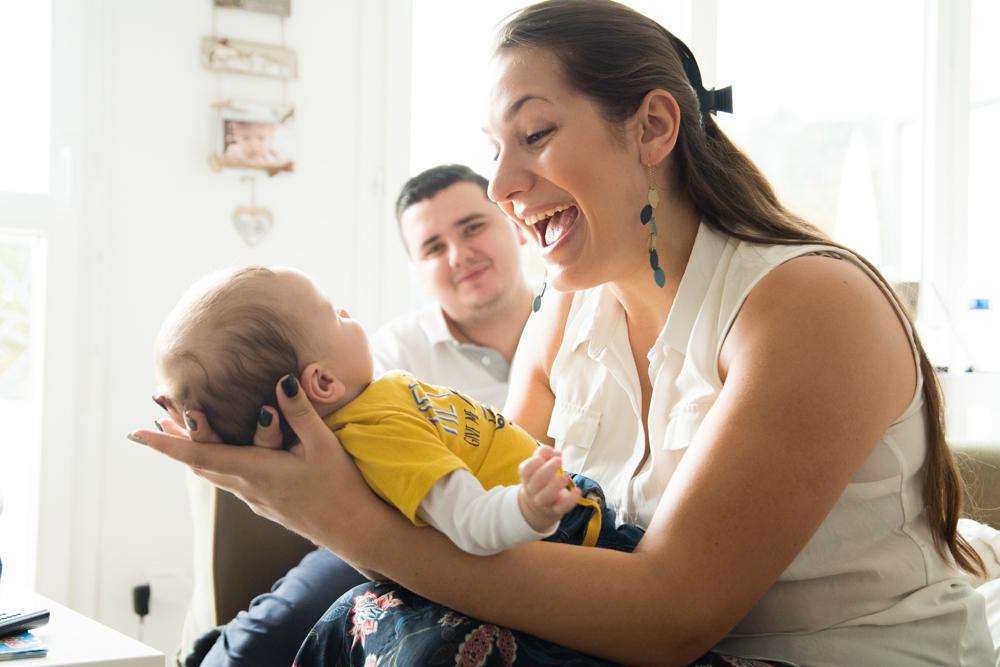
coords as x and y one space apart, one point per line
25 119
832 116
22 273
984 149
25 88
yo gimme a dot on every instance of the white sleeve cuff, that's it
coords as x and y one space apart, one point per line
478 521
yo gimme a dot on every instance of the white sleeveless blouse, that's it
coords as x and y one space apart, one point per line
869 588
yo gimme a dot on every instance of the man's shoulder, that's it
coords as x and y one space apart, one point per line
410 340
410 326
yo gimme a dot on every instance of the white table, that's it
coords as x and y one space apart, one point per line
74 639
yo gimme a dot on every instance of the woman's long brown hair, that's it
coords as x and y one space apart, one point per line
615 56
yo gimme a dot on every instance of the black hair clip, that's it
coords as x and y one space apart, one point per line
709 101
716 100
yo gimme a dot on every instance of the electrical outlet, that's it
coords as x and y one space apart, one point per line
172 591
140 599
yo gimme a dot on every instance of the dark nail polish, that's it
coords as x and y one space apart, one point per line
156 423
290 386
264 418
159 401
191 424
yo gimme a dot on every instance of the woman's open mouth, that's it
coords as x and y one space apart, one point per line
553 227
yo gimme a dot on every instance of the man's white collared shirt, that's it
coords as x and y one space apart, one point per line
421 343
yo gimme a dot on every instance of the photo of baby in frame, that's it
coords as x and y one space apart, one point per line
255 137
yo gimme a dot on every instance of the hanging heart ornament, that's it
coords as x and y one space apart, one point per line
252 224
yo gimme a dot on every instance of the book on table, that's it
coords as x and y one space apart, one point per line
23 645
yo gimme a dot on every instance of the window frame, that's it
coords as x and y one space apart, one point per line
67 507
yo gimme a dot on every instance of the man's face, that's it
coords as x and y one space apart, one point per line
464 248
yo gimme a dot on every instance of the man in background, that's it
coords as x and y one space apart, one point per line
467 255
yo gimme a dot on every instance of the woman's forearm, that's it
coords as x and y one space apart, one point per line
605 603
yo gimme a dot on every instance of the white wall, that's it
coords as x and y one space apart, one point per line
149 217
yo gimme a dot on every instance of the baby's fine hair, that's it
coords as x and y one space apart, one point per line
224 347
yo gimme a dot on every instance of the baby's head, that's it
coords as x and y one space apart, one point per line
254 138
235 333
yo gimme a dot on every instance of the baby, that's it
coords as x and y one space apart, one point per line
440 457
252 143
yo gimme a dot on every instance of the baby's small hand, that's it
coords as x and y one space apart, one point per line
544 496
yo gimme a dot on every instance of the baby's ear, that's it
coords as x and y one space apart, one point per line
320 384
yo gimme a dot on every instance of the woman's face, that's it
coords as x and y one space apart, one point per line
564 173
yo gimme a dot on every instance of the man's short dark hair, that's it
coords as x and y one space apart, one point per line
428 183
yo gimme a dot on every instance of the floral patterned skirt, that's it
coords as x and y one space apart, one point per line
385 625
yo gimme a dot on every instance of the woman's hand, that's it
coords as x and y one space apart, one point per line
301 488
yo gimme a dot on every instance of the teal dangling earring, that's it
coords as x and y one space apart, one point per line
536 303
645 217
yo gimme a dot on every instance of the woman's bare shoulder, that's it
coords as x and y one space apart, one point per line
817 284
831 309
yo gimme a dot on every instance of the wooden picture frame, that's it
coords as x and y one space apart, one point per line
237 56
276 7
254 136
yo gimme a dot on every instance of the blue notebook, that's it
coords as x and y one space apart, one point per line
24 645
